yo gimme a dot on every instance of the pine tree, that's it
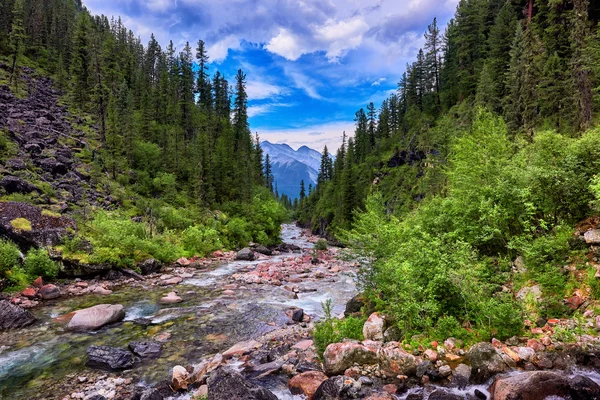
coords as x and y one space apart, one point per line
582 84
302 190
80 62
17 39
203 83
433 49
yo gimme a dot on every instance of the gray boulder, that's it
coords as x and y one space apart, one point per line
245 255
96 317
485 362
109 358
13 184
146 349
14 317
227 384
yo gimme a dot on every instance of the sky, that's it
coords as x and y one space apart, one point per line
310 64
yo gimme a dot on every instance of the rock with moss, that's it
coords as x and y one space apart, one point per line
28 226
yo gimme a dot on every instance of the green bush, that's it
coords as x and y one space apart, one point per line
9 256
321 244
199 240
38 263
333 330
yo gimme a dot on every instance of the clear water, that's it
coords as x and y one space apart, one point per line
37 359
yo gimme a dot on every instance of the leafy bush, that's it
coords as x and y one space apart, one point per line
199 240
321 244
9 256
38 263
333 330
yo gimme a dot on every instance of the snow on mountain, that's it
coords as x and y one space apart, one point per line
290 166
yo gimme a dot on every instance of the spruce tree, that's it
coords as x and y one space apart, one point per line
17 39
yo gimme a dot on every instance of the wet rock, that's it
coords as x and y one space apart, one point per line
245 255
445 371
14 317
49 292
330 389
171 298
461 376
13 184
392 334
151 394
396 361
150 266
109 358
180 378
263 250
582 387
307 383
444 395
340 356
96 317
354 305
146 349
485 362
226 384
242 348
297 315
373 327
29 293
539 385
46 230
480 395
381 396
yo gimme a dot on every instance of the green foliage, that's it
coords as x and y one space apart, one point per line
321 244
9 256
333 330
21 224
38 263
200 241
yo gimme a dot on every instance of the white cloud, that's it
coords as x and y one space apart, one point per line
340 36
287 45
218 51
303 82
258 90
378 81
260 109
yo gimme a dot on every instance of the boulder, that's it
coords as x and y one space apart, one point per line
338 357
354 305
582 387
394 361
49 292
245 255
180 378
109 358
14 317
461 376
592 236
146 349
227 384
297 315
533 385
96 317
171 298
150 266
374 327
307 383
13 184
263 250
331 389
485 362
45 230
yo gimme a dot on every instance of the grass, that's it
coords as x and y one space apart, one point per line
21 224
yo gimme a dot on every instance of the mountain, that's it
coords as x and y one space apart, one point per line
290 166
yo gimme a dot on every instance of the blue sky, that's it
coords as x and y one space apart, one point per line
310 64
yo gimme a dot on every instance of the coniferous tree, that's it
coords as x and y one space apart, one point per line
17 38
302 190
80 62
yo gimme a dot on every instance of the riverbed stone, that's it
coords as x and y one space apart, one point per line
171 298
227 384
245 255
592 236
394 361
307 383
109 358
147 349
242 348
462 375
485 362
340 356
533 385
13 316
49 292
96 317
374 327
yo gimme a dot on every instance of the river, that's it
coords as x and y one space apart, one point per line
40 361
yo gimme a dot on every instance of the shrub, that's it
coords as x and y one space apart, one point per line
38 263
199 240
321 244
333 330
9 256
